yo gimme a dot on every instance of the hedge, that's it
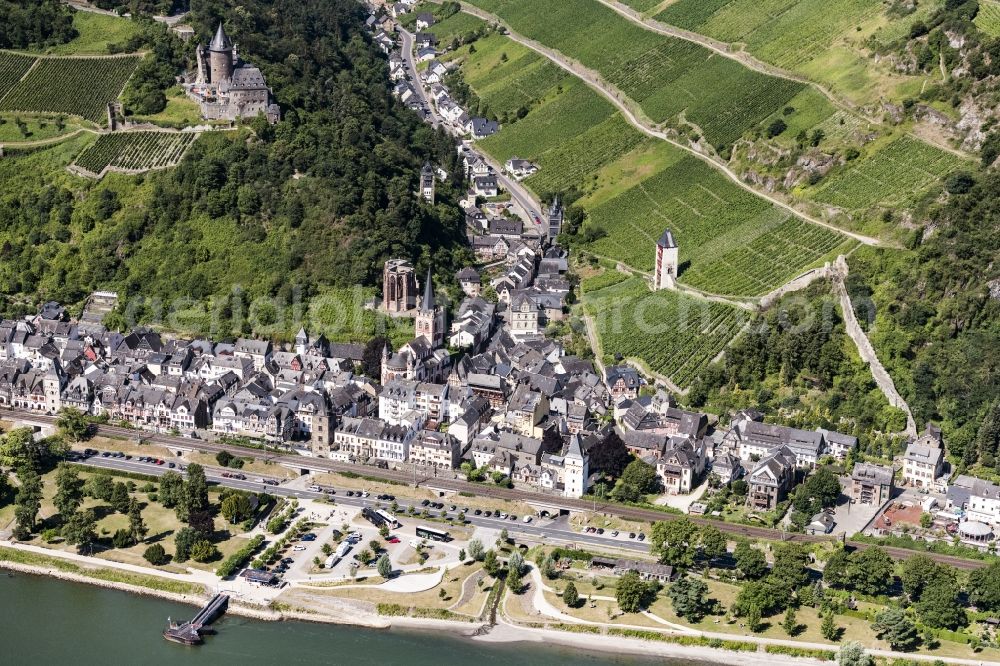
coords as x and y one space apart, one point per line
235 561
811 653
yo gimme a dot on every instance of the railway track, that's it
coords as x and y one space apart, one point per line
620 511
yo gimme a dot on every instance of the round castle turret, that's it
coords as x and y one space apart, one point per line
220 57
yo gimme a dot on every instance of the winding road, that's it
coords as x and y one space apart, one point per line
617 97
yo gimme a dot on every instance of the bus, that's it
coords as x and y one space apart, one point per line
373 517
433 534
389 519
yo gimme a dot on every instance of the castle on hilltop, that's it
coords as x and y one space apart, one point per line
228 88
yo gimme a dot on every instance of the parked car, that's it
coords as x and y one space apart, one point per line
513 517
426 502
478 512
171 465
600 530
615 533
309 537
298 548
642 537
527 519
488 514
392 539
631 535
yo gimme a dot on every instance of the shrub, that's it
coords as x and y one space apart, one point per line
156 555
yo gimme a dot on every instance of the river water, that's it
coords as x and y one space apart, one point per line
49 621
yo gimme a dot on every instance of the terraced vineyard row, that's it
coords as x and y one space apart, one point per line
784 32
135 151
77 86
455 26
675 335
603 280
988 18
889 176
664 75
12 68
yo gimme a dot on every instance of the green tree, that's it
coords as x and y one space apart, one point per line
824 487
171 490
100 486
984 587
224 458
673 541
713 543
853 653
871 571
384 567
893 626
689 598
120 497
69 491
829 628
184 541
236 508
123 539
918 572
490 563
383 531
365 556
753 619
939 605
204 550
476 550
73 425
155 555
632 593
81 530
790 623
570 596
136 525
515 571
637 479
27 502
750 562
18 449
768 596
836 572
195 490
790 565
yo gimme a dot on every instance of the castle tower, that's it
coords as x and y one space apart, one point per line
665 273
301 342
430 317
576 469
555 219
427 183
220 57
399 286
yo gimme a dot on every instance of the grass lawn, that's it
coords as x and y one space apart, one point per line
451 584
97 31
180 110
161 522
606 612
249 468
129 446
38 127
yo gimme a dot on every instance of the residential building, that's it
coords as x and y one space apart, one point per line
871 484
772 479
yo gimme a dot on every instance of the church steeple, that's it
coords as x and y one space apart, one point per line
221 41
427 303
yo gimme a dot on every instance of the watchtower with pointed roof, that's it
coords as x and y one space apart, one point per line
220 56
427 183
430 316
666 261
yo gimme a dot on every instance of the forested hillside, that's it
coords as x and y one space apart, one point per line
35 23
937 318
318 200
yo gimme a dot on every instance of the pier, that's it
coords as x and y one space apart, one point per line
189 633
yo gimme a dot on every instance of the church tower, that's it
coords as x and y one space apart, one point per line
555 220
220 57
430 316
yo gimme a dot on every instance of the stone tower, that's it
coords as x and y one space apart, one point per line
576 469
555 219
430 316
427 183
665 273
399 286
220 57
301 342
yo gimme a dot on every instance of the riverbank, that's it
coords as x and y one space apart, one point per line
501 633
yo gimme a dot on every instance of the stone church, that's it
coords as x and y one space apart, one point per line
228 88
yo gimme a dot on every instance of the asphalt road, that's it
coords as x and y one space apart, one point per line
539 529
411 67
455 485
